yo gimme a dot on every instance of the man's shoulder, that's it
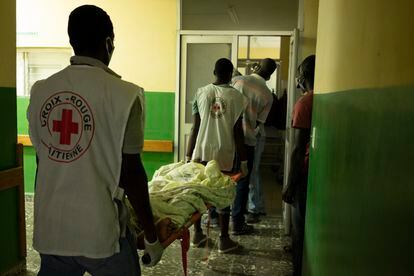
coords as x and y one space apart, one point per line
204 90
122 86
131 86
305 100
243 79
233 92
95 74
60 75
308 97
209 86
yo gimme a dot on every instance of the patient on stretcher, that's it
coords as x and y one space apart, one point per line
179 190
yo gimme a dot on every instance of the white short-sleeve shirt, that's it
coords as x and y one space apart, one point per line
259 104
81 120
219 106
134 132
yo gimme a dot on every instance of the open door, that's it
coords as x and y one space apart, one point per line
291 99
198 56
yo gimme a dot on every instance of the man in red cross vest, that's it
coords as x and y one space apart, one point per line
87 127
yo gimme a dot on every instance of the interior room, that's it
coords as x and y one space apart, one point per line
352 156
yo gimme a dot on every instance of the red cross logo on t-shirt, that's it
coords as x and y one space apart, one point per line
66 127
216 107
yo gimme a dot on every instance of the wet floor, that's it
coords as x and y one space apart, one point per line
262 252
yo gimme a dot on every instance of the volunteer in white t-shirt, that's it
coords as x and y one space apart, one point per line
87 128
217 134
260 102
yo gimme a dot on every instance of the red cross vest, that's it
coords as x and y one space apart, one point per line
77 120
219 106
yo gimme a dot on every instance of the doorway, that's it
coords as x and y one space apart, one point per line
198 56
198 52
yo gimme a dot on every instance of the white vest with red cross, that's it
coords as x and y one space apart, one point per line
219 107
77 120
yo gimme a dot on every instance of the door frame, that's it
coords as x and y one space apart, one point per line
185 40
293 61
292 97
178 99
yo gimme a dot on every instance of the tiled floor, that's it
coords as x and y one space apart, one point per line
262 252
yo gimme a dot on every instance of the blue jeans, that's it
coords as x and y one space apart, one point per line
125 262
242 192
256 200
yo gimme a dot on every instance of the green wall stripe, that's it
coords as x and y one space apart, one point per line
22 125
9 232
159 126
159 123
8 136
29 169
360 217
153 161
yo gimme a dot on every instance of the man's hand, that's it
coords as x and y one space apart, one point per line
152 253
243 168
287 195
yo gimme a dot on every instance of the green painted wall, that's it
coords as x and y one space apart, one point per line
8 124
159 126
22 125
9 230
360 218
159 123
9 240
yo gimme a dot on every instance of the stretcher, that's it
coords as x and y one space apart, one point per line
168 233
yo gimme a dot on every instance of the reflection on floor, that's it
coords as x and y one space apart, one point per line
262 252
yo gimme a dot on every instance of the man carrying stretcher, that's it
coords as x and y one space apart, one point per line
87 127
217 134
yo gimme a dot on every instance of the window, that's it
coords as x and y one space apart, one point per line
252 49
37 64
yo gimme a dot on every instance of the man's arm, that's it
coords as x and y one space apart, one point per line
134 180
263 113
193 136
135 183
37 169
239 139
240 147
301 138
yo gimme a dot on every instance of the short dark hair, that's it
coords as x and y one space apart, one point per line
223 68
89 26
306 71
268 66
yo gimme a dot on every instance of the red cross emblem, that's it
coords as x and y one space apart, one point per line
66 127
216 107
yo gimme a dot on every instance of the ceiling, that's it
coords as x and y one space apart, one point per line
259 15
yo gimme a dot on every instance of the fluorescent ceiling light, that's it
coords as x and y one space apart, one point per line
233 15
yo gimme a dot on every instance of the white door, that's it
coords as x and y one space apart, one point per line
199 53
292 97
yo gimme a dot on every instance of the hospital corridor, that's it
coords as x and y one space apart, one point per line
193 137
262 254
